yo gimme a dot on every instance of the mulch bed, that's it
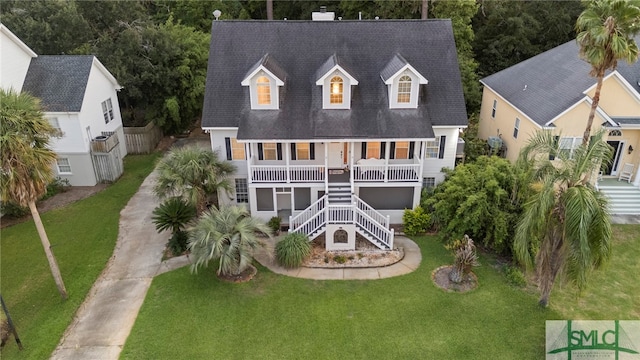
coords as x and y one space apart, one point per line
244 276
440 277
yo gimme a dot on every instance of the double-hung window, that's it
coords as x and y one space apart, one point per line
263 86
107 110
269 151
433 148
373 150
337 90
493 111
568 145
242 192
401 150
302 151
64 167
516 128
404 90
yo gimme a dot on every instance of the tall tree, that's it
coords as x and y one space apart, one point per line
605 34
193 173
566 223
27 161
228 234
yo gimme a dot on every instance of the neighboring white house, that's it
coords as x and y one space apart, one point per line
334 126
79 97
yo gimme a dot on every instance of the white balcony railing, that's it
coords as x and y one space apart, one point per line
282 173
387 173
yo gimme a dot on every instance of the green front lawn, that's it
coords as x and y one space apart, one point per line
189 316
82 236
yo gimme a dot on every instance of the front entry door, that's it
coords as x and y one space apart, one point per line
336 155
612 168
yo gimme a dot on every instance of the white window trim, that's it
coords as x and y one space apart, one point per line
516 128
274 83
298 150
416 81
574 143
68 164
347 82
107 111
244 194
437 147
494 109
396 148
239 145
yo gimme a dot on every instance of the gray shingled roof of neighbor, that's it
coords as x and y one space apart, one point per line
301 48
549 83
627 120
59 81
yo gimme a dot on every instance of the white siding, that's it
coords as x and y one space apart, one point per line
82 173
14 62
217 144
432 167
99 89
74 136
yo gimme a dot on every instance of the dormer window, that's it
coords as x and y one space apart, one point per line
264 80
336 84
337 90
403 82
263 89
404 90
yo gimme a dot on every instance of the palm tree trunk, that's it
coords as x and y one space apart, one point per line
550 267
594 106
53 264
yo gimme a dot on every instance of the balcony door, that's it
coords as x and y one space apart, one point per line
337 155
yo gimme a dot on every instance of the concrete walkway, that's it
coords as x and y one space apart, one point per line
410 262
103 322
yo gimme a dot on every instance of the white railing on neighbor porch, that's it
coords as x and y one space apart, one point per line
387 173
283 173
369 222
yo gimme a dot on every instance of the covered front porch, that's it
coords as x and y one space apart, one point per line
340 161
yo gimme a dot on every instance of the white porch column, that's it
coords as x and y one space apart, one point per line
249 156
351 164
386 161
637 180
326 167
423 146
287 156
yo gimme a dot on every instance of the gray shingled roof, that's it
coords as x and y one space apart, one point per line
394 65
627 120
549 83
270 64
59 81
303 47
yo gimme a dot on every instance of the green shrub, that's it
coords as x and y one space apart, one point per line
173 214
178 242
274 223
416 221
293 250
58 185
515 276
340 259
13 210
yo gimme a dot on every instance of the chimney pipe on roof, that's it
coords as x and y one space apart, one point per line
323 15
323 9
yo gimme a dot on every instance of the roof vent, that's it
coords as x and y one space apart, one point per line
323 15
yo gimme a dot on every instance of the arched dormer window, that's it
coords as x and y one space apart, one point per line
264 90
404 90
615 133
337 90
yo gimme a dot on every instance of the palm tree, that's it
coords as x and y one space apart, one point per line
566 222
605 34
27 161
228 234
193 173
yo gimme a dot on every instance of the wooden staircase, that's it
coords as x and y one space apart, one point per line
624 198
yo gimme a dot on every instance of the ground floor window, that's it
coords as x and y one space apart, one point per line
432 148
242 192
264 199
428 182
568 145
64 167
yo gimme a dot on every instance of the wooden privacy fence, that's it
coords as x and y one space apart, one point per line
142 140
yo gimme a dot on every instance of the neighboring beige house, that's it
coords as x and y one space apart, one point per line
553 91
